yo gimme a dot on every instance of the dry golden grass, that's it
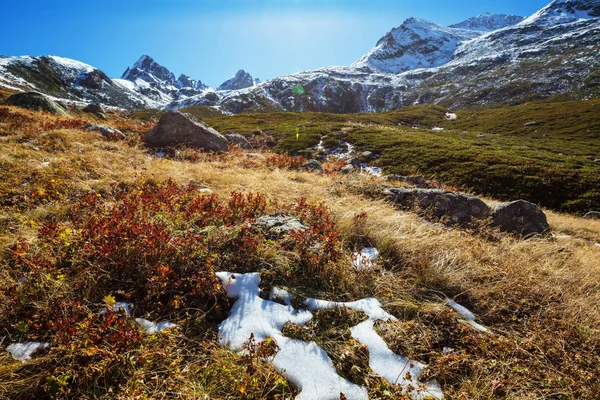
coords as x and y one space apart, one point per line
540 297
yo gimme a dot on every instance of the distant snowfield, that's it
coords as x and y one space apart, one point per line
305 363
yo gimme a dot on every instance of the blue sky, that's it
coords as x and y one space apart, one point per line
211 39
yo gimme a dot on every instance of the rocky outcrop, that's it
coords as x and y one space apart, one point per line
176 128
36 101
520 217
239 140
457 208
278 225
592 215
107 131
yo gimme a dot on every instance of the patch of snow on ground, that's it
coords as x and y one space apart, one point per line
251 314
597 245
371 307
23 351
396 369
437 129
365 259
128 307
304 363
310 368
468 315
451 116
277 293
151 328
375 171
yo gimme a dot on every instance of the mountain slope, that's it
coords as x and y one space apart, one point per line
487 22
414 44
70 80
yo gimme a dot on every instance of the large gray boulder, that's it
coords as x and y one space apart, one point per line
520 217
592 215
458 208
36 101
96 110
239 140
176 128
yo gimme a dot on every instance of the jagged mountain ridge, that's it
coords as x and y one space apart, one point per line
241 80
487 22
553 51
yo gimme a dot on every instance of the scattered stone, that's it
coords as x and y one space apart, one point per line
312 165
460 208
367 155
107 131
239 140
520 217
592 215
177 128
341 135
346 169
355 162
532 123
36 101
278 225
258 156
415 180
96 110
597 160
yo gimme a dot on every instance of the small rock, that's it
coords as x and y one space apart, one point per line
367 155
592 215
532 123
520 217
346 169
278 225
239 140
341 135
597 160
355 162
96 110
312 165
106 131
258 156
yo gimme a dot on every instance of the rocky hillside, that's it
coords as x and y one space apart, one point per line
487 22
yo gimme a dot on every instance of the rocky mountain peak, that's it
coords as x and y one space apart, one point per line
488 22
241 80
146 69
185 81
565 11
417 43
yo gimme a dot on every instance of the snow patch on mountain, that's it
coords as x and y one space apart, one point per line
487 22
416 43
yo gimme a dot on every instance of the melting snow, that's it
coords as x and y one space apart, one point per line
467 314
277 293
23 351
306 364
437 129
128 307
365 259
396 369
451 116
151 328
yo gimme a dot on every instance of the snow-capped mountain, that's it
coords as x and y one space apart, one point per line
555 51
69 80
415 44
241 80
487 22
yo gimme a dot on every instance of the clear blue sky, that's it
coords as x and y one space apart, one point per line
211 39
